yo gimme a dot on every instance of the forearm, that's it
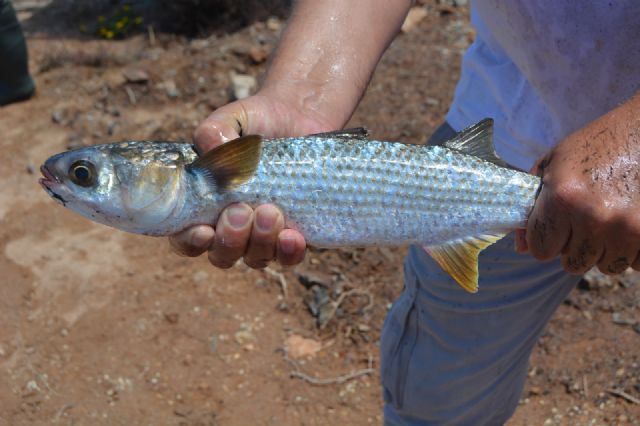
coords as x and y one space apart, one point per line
328 53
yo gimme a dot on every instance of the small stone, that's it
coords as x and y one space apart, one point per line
535 390
310 278
57 116
135 75
299 347
617 318
213 343
243 85
243 337
171 317
30 168
274 24
415 15
200 277
258 54
170 89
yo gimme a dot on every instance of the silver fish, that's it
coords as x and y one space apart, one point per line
337 188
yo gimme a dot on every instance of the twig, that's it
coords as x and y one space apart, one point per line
132 96
332 380
281 279
624 395
341 299
61 411
152 35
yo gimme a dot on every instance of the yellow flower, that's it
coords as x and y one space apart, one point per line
119 25
138 20
109 34
101 18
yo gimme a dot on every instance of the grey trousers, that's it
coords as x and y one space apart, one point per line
453 358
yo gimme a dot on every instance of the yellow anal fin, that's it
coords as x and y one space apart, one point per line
232 163
459 258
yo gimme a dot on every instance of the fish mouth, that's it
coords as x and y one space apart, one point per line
48 181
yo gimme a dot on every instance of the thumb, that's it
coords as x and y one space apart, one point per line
224 124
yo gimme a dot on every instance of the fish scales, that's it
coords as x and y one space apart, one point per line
361 193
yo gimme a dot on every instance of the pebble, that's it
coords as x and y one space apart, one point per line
300 347
258 54
200 277
415 15
274 24
170 89
135 75
243 85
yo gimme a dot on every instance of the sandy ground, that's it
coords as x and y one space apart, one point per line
102 327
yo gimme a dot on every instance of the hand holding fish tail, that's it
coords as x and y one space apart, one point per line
587 211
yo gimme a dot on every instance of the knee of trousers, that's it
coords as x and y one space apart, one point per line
450 357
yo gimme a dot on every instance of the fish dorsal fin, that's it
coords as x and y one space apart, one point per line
477 140
232 163
355 132
459 258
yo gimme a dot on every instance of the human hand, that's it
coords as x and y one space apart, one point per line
587 210
257 235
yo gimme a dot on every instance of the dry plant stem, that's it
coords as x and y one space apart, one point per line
280 277
332 380
341 299
624 395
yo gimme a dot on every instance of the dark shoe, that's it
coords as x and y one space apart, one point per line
15 82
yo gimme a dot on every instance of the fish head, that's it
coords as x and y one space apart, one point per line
132 186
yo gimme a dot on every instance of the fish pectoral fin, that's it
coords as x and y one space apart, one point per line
459 258
232 163
355 132
477 140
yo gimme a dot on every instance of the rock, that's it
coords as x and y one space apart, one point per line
200 277
243 85
310 278
617 318
274 24
258 54
415 15
242 337
213 343
170 89
299 347
171 317
135 75
58 116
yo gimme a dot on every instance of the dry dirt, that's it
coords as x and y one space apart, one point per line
102 327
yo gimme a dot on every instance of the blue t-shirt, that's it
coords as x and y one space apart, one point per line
545 68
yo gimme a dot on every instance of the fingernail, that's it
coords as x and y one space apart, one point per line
288 245
238 216
199 238
266 219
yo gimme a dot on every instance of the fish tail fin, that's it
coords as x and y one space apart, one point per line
459 258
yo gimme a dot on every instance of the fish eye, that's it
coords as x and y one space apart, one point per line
82 173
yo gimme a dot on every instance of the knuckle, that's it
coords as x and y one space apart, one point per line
570 193
575 264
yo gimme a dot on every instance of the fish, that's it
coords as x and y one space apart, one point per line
339 189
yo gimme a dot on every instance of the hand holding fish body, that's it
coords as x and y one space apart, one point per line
338 189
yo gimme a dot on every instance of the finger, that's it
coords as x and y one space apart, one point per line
582 253
224 124
291 247
614 263
193 241
232 234
267 224
548 228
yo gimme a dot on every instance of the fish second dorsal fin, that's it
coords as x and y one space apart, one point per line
477 140
232 163
355 132
459 258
